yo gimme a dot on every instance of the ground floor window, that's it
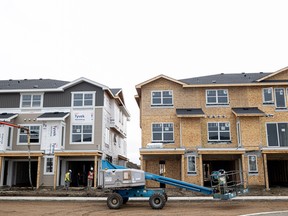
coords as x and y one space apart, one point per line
49 165
252 163
191 160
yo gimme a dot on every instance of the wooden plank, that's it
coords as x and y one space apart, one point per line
266 171
201 170
95 170
38 172
182 167
55 171
59 154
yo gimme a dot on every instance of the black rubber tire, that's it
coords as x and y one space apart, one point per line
157 201
125 200
114 201
166 197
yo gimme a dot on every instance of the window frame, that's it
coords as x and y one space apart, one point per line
277 132
31 101
217 98
250 171
29 126
272 101
284 97
191 172
162 132
162 104
9 138
83 99
46 165
81 134
218 132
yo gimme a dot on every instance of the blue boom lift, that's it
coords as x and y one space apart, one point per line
126 183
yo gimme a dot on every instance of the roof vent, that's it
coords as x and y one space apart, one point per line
243 72
35 86
213 81
222 73
261 72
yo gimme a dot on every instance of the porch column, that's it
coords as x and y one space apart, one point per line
55 171
245 180
95 170
201 170
266 171
143 163
182 167
38 172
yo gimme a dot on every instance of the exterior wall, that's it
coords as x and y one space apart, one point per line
191 133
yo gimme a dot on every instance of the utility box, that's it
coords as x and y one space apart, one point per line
121 178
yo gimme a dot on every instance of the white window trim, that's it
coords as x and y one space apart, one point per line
162 104
272 102
31 107
170 141
45 165
216 103
83 93
81 143
219 141
189 172
249 170
10 141
40 134
239 137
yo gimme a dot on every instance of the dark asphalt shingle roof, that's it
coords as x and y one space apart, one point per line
190 111
248 110
7 115
53 115
225 78
31 84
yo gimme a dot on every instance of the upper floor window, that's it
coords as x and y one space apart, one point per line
218 131
252 164
31 100
217 97
49 165
268 96
83 99
163 132
191 164
162 98
277 134
34 134
82 133
280 98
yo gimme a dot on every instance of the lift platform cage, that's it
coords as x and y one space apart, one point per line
228 184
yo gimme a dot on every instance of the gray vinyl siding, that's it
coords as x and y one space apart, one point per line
63 99
10 100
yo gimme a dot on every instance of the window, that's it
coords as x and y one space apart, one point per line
81 133
49 165
107 136
217 97
218 131
191 160
252 163
162 98
277 134
83 99
9 138
280 98
31 100
268 96
34 134
163 132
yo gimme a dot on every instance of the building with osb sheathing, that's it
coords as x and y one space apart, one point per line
236 122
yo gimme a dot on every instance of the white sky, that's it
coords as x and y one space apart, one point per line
121 43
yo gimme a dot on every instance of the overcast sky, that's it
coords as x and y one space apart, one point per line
123 43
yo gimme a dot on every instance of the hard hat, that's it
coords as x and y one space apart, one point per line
91 168
70 170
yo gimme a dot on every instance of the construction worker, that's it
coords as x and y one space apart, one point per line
90 178
68 179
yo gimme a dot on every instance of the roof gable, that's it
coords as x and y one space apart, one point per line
281 74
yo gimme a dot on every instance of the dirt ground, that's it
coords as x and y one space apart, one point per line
83 192
175 208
